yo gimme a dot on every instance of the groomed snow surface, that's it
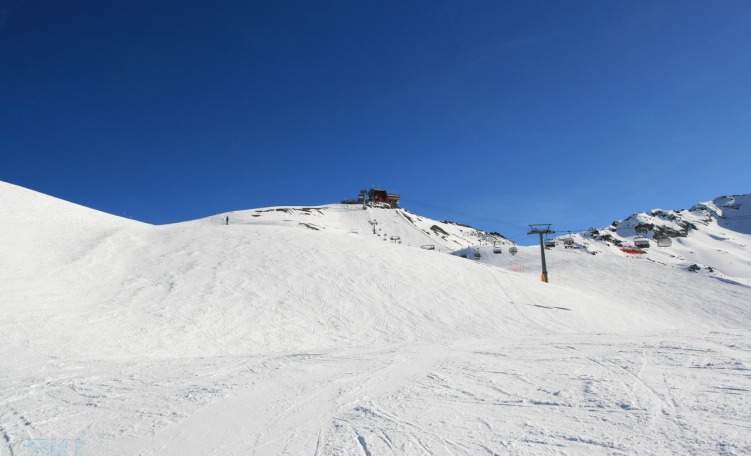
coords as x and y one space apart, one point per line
298 331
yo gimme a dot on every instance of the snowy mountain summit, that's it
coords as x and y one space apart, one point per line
338 330
711 237
731 212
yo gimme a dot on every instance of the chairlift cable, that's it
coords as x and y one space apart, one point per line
468 214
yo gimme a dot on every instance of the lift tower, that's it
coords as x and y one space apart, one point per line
542 228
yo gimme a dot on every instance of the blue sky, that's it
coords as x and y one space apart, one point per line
493 113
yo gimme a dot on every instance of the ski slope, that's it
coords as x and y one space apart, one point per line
389 225
300 331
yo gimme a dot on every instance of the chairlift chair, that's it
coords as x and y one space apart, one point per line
568 243
641 243
513 250
497 248
550 243
664 242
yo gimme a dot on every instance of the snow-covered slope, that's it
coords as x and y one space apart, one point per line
712 238
733 212
294 279
397 226
41 232
299 331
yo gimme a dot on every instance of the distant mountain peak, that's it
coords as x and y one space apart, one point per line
711 237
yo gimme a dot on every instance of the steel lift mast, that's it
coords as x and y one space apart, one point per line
541 229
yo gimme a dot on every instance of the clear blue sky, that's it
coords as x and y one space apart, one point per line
571 113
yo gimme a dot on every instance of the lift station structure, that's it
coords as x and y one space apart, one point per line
376 197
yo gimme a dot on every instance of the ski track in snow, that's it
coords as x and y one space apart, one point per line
649 394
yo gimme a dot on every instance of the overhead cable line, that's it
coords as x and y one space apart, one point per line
512 238
468 214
